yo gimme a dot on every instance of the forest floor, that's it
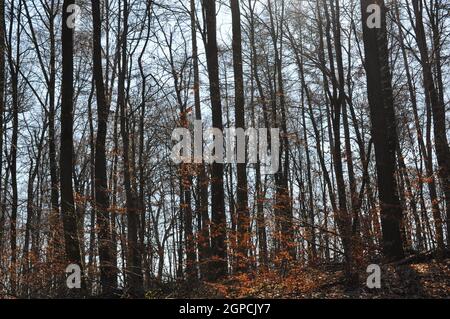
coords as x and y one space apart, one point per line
416 280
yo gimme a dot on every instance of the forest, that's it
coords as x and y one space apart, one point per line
351 103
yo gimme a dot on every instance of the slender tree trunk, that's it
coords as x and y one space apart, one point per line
379 86
261 221
14 62
437 13
310 215
422 148
54 180
203 236
29 227
69 217
2 110
219 264
204 239
108 275
134 271
90 268
242 210
283 211
142 179
438 111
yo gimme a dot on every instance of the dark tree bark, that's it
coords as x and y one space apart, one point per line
2 109
203 236
283 205
438 112
108 275
219 265
242 210
261 221
69 217
134 271
141 163
312 249
422 148
437 13
49 72
379 87
27 262
90 267
14 62
343 218
54 180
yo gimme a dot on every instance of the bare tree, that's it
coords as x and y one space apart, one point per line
384 132
218 267
243 215
108 275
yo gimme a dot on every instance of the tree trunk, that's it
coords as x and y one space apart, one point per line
380 95
438 111
203 236
14 70
2 109
108 275
134 271
242 211
219 264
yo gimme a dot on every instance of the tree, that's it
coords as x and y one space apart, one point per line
14 62
72 246
438 110
384 134
261 220
2 110
283 204
108 276
134 271
242 210
201 209
218 266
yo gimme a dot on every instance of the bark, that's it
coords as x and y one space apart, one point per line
2 109
142 179
54 180
438 112
134 271
380 95
261 220
27 262
203 236
14 73
242 210
108 275
218 265
283 206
